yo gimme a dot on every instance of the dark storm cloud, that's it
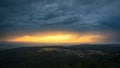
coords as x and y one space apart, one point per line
29 16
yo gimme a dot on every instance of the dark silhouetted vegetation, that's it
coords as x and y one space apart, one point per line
93 56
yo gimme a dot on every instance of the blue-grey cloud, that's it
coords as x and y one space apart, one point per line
27 16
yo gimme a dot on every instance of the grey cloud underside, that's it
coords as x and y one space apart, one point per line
27 16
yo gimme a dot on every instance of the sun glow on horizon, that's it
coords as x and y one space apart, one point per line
59 38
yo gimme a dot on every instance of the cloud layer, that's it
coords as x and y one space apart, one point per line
29 16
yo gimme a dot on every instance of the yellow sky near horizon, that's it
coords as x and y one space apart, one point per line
59 37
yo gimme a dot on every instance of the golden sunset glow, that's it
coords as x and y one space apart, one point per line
59 38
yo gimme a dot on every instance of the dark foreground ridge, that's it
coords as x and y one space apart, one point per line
77 56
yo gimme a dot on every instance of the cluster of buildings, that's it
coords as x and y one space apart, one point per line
78 52
82 53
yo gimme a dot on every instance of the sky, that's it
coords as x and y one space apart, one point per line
28 18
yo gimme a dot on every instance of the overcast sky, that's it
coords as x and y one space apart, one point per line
22 17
